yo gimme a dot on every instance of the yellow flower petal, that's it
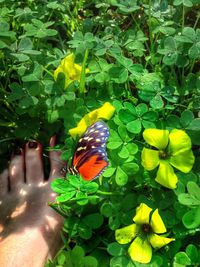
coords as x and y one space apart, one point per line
105 112
157 138
159 241
84 123
166 176
71 70
183 161
142 214
58 70
157 223
126 234
140 250
179 142
67 63
150 158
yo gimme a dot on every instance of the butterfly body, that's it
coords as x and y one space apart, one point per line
90 157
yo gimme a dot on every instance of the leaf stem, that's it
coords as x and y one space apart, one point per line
183 17
196 22
82 80
109 193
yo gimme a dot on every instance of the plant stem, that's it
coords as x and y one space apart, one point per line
47 71
8 124
82 80
183 17
197 20
109 193
186 233
6 139
150 30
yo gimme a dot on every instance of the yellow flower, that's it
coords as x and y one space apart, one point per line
105 112
71 70
144 233
173 149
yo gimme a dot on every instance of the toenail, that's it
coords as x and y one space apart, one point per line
17 151
32 144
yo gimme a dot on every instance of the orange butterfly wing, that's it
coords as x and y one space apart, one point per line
92 168
90 157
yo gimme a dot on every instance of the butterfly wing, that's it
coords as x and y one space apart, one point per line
90 157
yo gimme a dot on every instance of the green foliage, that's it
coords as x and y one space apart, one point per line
191 218
143 58
74 258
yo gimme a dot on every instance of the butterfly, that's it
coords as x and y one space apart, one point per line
90 157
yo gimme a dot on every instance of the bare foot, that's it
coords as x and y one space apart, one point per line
29 228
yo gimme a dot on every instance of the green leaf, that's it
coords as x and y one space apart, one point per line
85 232
114 222
115 249
130 168
20 57
121 177
192 252
132 148
89 187
77 253
150 116
194 52
124 153
182 61
109 172
182 258
114 140
148 124
28 101
17 92
187 3
81 198
118 74
74 181
193 190
170 58
113 145
186 118
25 44
134 126
61 186
106 210
121 261
94 220
194 125
66 196
89 261
191 219
70 96
157 102
35 75
102 77
61 258
141 109
188 200
173 121
126 116
190 33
